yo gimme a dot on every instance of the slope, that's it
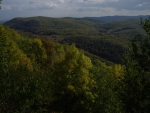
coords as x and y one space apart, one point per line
52 26
115 18
106 40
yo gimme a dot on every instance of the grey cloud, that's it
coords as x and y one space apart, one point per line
123 4
30 4
91 2
78 8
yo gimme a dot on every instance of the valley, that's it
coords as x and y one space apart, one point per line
107 40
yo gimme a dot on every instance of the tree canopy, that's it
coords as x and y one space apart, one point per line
38 75
0 1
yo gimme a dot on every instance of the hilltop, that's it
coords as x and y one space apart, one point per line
116 18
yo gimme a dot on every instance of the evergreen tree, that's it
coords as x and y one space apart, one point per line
0 3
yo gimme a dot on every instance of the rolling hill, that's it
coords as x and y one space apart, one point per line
51 26
108 40
115 18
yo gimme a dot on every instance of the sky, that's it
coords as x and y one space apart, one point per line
73 8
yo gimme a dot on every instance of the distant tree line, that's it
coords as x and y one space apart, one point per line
0 3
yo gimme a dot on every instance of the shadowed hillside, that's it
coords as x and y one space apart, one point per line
115 18
51 26
106 40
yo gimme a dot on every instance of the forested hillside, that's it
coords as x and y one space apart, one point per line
115 18
108 41
53 26
38 75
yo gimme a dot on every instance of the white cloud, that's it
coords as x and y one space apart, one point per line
73 8
62 1
44 5
96 1
6 7
141 5
30 4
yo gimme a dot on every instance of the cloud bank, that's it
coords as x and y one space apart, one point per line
73 8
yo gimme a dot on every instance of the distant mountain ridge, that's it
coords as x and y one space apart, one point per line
2 21
115 18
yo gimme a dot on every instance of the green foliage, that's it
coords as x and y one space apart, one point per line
146 25
38 75
102 48
0 3
42 76
136 81
52 26
12 60
73 80
107 86
110 39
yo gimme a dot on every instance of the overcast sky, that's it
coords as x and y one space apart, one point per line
73 8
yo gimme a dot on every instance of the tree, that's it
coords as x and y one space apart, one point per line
0 3
20 81
72 80
107 80
137 77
